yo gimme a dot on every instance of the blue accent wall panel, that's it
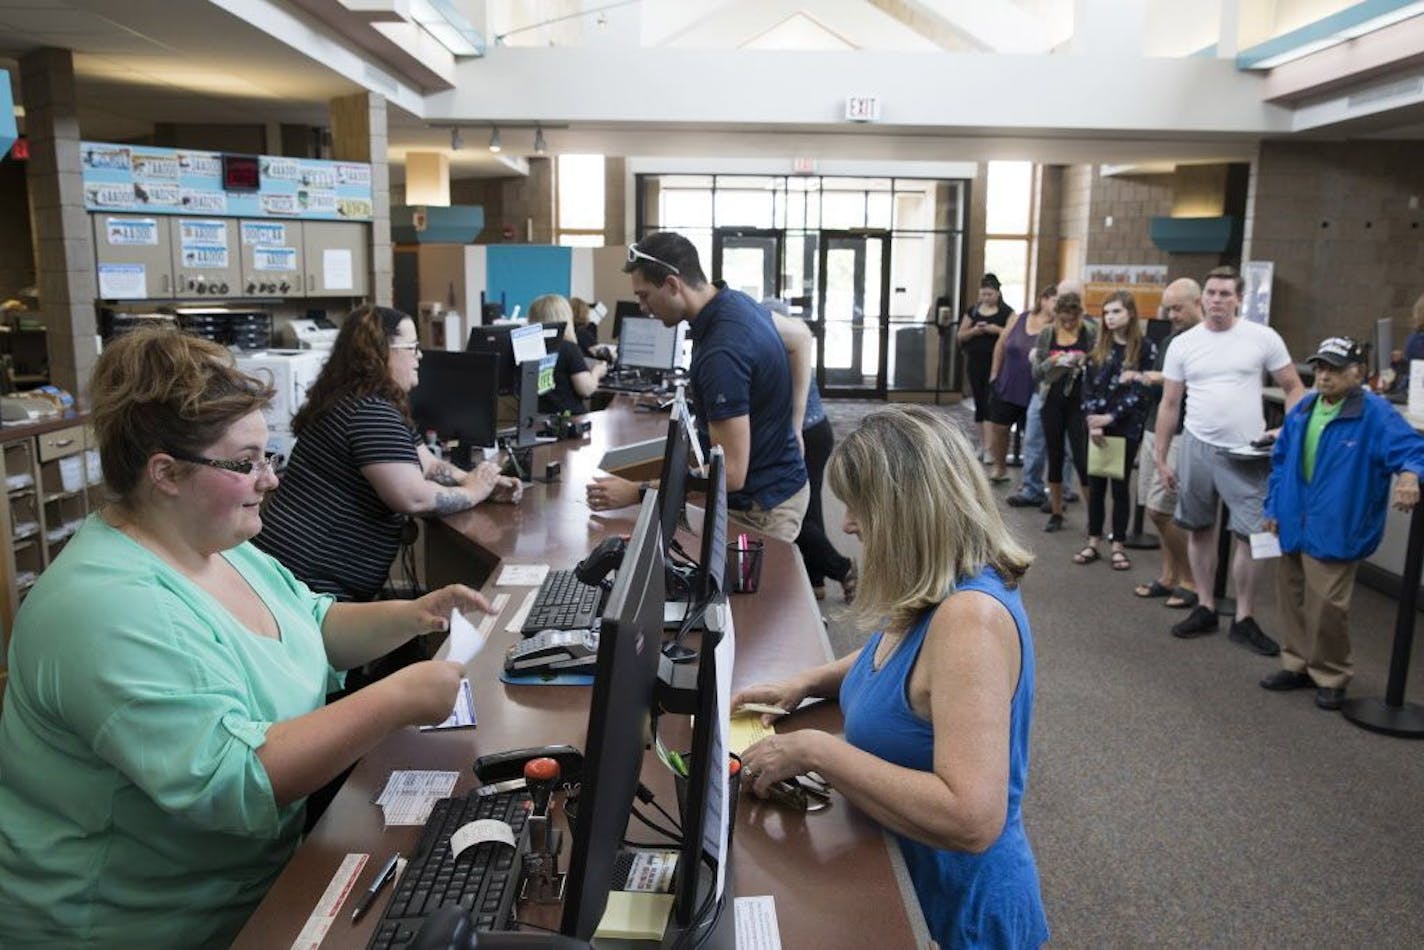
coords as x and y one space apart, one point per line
522 272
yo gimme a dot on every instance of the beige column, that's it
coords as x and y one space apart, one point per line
358 134
64 241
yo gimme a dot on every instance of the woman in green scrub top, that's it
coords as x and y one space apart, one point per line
165 715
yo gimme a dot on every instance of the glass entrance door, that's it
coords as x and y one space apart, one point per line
851 325
749 260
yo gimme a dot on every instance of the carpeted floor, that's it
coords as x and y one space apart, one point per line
1171 801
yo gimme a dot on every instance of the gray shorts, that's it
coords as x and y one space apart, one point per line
1153 493
1206 474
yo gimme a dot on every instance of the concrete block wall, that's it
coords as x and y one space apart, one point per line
1335 218
1131 203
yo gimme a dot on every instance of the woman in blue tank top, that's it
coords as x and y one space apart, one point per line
939 702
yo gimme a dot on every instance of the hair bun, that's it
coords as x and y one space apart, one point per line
990 280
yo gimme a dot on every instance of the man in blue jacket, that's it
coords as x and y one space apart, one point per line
1326 500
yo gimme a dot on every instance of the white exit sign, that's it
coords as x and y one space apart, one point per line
862 108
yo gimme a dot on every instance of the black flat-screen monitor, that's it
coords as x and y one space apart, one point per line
496 340
672 481
553 333
458 398
624 685
624 308
712 558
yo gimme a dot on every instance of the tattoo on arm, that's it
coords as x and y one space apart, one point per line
449 502
441 473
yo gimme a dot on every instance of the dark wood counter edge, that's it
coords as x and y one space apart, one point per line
9 433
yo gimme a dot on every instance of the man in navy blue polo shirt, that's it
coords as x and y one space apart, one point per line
740 384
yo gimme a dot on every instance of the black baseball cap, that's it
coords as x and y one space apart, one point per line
1338 351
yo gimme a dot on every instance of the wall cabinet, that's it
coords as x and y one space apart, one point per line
52 482
155 257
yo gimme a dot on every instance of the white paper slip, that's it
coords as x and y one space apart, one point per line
487 622
522 575
463 715
463 642
516 621
410 794
478 832
756 924
324 915
1265 545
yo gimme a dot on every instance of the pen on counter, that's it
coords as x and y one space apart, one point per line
383 878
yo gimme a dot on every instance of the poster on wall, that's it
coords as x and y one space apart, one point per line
1256 301
184 181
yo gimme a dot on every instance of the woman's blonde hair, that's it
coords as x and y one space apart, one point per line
160 390
911 481
553 308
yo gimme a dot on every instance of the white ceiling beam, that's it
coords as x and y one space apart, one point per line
999 25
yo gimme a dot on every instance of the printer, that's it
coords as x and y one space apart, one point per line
311 333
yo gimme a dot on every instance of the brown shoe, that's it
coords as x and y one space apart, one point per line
819 590
848 584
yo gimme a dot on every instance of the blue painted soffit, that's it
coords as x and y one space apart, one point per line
1320 29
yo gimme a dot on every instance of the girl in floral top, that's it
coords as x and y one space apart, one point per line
1115 402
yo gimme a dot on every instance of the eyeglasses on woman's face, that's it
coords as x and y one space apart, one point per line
404 345
269 463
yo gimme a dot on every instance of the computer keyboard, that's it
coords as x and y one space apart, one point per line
563 603
484 879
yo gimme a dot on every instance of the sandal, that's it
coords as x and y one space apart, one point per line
1155 589
1120 561
1088 555
1181 599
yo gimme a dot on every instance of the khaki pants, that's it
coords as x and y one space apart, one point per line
1314 601
782 522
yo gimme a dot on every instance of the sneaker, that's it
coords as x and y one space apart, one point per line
1252 637
1201 621
1020 500
819 590
1055 523
1286 679
1328 698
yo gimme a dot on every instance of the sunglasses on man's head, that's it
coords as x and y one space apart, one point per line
636 254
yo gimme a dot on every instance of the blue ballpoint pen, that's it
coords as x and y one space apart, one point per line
383 878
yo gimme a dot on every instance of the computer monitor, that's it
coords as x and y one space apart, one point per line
457 397
624 686
553 333
496 340
648 343
672 482
712 557
624 308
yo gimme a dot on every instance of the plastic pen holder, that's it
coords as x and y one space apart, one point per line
744 566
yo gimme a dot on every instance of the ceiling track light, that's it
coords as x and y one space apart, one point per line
494 145
540 147
456 141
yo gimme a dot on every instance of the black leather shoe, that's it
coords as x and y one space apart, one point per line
1286 679
1020 500
1329 699
1249 635
1200 622
1055 523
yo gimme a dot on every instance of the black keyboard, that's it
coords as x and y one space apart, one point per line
563 603
484 879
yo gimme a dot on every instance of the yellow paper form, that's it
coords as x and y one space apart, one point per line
746 731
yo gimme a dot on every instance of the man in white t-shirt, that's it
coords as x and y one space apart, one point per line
1220 362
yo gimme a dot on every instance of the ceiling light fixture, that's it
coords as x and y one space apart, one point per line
456 141
540 147
494 145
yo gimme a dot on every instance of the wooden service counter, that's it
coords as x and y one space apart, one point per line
835 874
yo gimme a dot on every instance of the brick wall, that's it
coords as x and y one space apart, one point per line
1131 203
1348 249
17 251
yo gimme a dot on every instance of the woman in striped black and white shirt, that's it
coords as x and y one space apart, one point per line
357 471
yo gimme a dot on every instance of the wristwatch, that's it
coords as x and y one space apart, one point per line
643 487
